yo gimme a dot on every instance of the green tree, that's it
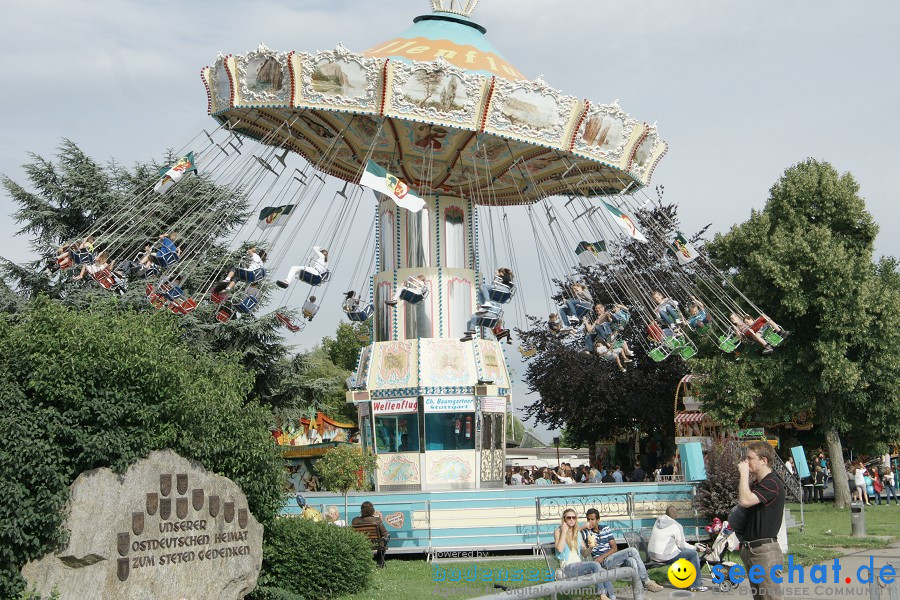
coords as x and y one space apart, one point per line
82 390
807 259
345 468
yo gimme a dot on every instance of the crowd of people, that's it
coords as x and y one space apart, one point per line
868 480
566 474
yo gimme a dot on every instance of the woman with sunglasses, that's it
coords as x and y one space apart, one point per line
570 550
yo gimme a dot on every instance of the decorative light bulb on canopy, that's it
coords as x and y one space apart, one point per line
439 107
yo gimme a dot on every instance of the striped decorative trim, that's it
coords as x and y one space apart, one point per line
584 114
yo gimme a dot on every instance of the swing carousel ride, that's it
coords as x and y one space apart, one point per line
452 138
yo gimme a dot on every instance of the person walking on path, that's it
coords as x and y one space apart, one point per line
764 501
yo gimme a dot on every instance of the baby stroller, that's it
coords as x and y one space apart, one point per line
725 540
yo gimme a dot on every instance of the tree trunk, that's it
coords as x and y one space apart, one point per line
592 454
838 469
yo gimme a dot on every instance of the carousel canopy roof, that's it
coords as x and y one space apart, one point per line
439 108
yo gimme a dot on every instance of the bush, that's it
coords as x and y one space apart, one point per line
718 494
313 560
80 391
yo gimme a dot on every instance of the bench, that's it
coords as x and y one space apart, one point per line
379 544
635 540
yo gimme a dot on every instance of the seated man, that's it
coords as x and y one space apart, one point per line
310 308
605 551
317 267
415 285
366 517
667 545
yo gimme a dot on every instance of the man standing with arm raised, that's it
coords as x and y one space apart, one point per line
764 501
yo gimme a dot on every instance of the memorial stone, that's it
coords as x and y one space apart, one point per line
166 529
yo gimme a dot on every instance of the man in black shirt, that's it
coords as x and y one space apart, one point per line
764 501
638 474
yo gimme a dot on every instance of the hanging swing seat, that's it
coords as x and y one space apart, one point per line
105 279
164 258
183 307
413 296
218 297
772 337
689 350
224 314
364 338
489 317
248 304
527 352
312 276
289 325
64 261
249 275
501 292
729 343
362 315
659 354
81 257
172 293
583 309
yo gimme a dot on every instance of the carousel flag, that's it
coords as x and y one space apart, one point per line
592 253
274 216
383 182
169 176
682 249
625 222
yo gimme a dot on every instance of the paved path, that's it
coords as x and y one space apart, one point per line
849 563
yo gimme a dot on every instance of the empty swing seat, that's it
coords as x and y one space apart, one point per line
285 320
489 318
771 336
362 315
172 293
164 258
105 279
183 307
527 352
81 257
249 275
729 343
218 297
659 354
413 296
313 277
224 314
502 293
248 304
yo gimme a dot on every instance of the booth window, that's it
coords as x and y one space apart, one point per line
367 434
450 431
397 433
492 431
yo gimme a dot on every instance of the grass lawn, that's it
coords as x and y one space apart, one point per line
826 532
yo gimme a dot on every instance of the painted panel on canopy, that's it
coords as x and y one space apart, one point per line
435 93
646 155
338 79
263 78
491 363
605 133
532 111
394 365
446 362
221 84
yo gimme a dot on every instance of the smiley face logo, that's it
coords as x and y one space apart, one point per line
682 573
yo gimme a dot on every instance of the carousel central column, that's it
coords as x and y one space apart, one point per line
436 406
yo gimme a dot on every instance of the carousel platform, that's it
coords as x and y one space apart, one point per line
443 523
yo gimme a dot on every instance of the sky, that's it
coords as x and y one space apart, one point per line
739 90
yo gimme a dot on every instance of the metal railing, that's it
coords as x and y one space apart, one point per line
792 487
